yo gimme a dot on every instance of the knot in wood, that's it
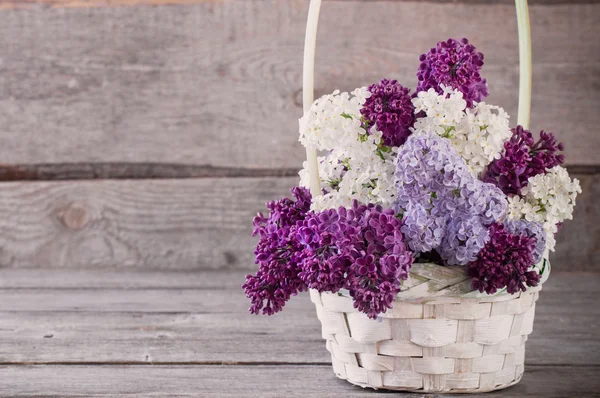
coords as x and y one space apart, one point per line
75 216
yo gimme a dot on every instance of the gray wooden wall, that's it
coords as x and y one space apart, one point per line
147 133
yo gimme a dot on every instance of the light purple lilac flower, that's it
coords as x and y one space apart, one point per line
444 207
390 108
423 230
523 158
505 261
428 168
465 236
454 64
531 230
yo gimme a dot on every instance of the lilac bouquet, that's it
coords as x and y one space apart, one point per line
433 176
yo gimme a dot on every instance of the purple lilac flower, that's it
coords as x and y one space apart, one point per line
428 167
444 207
390 108
423 230
278 254
531 230
523 158
465 236
325 266
455 64
482 199
505 261
360 249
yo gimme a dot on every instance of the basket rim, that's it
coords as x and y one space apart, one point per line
434 281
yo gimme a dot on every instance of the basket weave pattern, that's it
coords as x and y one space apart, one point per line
436 338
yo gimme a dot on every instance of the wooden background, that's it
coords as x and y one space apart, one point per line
146 133
139 137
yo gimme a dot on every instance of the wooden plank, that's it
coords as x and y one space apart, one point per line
142 317
113 3
126 279
94 3
159 338
185 224
145 84
252 381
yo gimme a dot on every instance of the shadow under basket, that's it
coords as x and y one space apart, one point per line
439 336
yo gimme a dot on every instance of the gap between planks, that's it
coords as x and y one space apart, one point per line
140 171
227 363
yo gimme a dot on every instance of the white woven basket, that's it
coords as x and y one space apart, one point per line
439 336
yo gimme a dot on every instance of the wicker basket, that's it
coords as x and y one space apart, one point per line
438 337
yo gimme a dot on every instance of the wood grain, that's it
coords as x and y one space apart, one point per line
5 4
154 224
194 318
113 3
219 83
186 223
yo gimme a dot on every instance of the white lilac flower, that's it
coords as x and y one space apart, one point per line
548 199
477 133
357 166
481 135
334 121
443 112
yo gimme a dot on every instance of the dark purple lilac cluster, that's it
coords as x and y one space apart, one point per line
455 64
390 108
278 254
505 261
524 158
531 230
360 249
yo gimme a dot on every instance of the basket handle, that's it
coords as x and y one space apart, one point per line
310 42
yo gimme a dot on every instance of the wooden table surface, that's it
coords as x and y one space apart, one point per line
178 333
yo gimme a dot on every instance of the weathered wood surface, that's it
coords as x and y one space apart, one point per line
186 224
63 316
203 223
254 381
219 82
113 3
56 342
